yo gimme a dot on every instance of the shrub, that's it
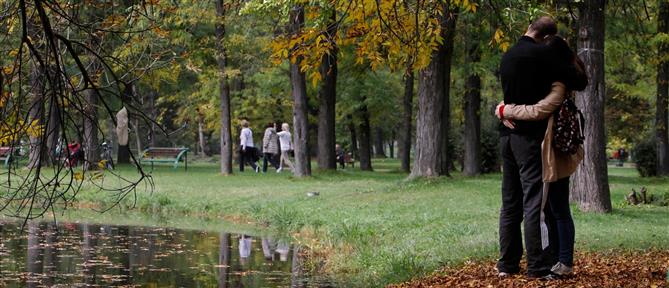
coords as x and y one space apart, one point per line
644 154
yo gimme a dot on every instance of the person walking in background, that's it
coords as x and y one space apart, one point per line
340 156
248 151
269 147
286 143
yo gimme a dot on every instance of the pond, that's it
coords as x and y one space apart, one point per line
43 254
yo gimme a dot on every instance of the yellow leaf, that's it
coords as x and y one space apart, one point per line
78 176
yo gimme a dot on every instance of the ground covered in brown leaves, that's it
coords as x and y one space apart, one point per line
611 269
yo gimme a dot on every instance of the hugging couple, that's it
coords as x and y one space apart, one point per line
537 74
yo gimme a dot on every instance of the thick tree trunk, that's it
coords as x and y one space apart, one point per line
327 99
379 150
302 163
90 145
472 161
590 187
36 114
432 119
354 137
448 34
407 120
226 127
661 115
365 152
52 128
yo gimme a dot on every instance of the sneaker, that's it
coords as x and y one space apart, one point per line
279 170
562 269
503 275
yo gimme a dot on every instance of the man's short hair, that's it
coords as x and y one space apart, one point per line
544 26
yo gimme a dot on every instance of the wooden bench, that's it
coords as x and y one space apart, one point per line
6 155
349 160
165 155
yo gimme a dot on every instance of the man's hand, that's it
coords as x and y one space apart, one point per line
497 110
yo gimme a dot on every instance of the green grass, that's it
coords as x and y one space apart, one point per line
375 228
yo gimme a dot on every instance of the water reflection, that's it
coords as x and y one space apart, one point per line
44 255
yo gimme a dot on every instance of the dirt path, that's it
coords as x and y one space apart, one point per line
613 269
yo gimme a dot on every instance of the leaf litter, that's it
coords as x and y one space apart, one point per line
612 269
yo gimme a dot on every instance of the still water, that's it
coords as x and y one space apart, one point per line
92 255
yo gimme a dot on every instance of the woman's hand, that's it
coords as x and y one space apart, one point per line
509 123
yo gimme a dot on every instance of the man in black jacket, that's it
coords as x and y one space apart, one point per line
526 72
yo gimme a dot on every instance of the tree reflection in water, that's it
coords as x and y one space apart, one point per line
90 254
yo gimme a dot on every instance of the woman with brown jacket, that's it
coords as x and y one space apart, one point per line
557 166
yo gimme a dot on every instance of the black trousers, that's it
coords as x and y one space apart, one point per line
248 156
272 159
522 188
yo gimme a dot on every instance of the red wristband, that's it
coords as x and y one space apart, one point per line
501 111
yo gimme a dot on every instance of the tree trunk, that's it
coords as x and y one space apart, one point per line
432 120
153 115
223 259
590 187
138 139
405 130
302 163
226 127
90 145
36 114
354 137
391 145
365 151
448 34
52 128
327 98
379 151
661 115
472 161
200 136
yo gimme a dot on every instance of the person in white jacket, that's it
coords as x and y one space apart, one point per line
248 150
286 143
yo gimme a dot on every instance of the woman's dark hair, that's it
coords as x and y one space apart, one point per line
561 48
575 78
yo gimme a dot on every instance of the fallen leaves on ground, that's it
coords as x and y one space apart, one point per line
610 269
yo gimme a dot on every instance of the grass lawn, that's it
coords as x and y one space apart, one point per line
374 228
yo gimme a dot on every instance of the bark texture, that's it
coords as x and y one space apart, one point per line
91 143
433 117
590 183
472 143
226 128
327 96
407 120
302 165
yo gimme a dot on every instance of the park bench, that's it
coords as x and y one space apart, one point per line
349 160
165 155
6 155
